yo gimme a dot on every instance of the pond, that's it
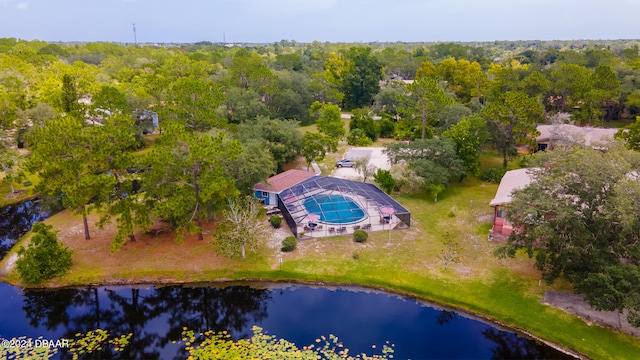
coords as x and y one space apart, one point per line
360 318
16 220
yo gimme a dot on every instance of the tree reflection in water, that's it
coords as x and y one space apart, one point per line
446 317
512 346
154 317
16 220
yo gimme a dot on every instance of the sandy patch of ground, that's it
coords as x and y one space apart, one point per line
151 258
9 264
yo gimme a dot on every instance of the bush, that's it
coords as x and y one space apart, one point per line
289 244
357 137
493 175
360 236
275 221
45 257
386 127
526 161
385 180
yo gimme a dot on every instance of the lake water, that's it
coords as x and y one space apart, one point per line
16 220
300 314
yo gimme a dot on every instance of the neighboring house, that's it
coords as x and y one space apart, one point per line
268 192
566 135
512 180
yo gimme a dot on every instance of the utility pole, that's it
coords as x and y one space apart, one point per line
135 39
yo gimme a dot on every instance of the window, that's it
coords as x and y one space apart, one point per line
265 194
500 212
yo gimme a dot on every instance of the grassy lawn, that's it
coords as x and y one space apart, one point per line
23 191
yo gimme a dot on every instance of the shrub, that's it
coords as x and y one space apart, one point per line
45 257
385 180
289 244
493 175
275 221
360 236
357 137
386 128
525 161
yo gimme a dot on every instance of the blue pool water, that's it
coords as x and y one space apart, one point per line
334 209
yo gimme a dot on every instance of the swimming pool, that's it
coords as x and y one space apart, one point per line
334 209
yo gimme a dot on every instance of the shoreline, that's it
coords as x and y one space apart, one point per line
318 283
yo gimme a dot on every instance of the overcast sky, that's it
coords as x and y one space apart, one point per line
321 20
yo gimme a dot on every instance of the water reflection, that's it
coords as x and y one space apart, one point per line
508 346
156 316
16 220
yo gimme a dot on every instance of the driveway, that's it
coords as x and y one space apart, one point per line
376 158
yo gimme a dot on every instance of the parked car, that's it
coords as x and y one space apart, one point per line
344 163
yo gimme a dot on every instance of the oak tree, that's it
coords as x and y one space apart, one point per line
580 218
512 119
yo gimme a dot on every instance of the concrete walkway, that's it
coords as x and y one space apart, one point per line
316 168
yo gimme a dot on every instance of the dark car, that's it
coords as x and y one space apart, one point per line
344 163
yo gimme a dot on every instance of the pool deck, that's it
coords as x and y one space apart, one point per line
372 221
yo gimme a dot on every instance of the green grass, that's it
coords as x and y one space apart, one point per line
23 192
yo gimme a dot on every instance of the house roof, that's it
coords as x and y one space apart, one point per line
512 180
574 134
284 180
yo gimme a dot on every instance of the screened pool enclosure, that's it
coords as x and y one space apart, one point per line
325 206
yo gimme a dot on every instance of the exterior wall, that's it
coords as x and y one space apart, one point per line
500 224
265 196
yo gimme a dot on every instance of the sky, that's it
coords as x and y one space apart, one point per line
267 21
